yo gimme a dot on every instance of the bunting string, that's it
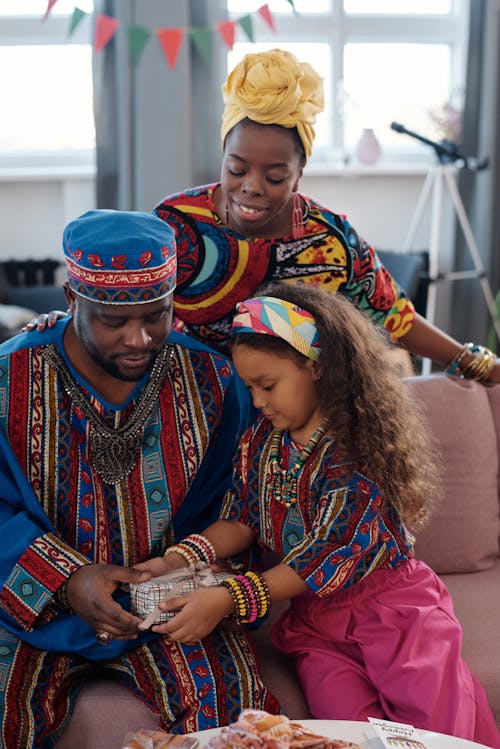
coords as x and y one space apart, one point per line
170 39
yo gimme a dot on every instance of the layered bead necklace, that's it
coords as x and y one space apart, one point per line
285 480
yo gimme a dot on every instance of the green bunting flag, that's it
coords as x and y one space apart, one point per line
137 39
202 39
76 18
246 24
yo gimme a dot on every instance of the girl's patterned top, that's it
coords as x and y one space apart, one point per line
218 267
340 530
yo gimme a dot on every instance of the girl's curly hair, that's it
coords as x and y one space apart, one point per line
369 409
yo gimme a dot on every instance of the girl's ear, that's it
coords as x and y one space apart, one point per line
315 368
317 371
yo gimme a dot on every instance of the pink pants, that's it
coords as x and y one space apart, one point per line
387 647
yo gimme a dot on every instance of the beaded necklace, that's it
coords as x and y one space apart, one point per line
284 480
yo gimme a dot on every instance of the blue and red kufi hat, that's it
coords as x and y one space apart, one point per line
120 257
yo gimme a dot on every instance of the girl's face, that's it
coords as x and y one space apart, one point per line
282 389
261 169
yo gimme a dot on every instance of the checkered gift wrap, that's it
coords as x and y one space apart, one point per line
145 597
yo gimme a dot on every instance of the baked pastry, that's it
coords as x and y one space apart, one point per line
257 729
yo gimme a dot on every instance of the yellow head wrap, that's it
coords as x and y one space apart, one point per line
273 88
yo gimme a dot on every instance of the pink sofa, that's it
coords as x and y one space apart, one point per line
461 544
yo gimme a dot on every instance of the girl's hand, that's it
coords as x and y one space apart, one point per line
161 565
200 612
44 321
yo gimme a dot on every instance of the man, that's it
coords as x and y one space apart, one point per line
113 444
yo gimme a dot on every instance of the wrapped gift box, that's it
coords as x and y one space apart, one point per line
145 597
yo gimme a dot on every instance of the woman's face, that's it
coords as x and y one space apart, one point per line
261 168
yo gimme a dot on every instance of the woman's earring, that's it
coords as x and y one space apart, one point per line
227 215
298 217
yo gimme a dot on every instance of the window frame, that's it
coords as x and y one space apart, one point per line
31 30
337 29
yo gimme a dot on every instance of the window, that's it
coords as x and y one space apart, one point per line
47 95
382 61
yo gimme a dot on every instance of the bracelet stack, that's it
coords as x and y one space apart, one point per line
250 596
477 369
194 548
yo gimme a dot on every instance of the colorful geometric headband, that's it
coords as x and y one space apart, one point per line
120 257
277 317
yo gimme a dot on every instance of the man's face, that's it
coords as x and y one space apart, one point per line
122 339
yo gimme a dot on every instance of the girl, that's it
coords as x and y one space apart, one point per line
330 478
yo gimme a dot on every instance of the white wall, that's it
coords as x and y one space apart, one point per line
34 209
379 203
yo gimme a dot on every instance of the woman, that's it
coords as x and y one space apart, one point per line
254 227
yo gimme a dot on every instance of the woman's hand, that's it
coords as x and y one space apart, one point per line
494 375
161 565
44 321
198 613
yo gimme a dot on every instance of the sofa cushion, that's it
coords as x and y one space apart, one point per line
463 534
477 606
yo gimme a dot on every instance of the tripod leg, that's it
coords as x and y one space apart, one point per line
473 249
434 250
419 210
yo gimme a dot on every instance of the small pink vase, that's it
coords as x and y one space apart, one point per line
368 148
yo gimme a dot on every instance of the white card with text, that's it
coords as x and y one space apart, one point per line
397 735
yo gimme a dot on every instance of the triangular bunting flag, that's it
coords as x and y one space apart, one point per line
50 5
246 24
137 39
105 29
227 30
171 40
293 6
202 39
77 16
265 13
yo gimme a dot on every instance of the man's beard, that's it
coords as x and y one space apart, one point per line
108 365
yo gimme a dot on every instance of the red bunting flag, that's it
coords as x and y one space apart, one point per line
105 29
227 30
50 5
265 13
171 41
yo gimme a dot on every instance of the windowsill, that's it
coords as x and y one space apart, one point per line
46 173
355 169
85 172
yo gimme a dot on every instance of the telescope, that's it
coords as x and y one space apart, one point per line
447 151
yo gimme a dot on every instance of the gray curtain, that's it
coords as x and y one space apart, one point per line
480 190
157 129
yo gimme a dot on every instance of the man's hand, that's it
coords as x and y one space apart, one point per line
90 590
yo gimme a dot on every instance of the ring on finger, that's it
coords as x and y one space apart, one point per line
103 638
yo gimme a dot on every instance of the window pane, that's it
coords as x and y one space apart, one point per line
238 7
398 7
47 105
394 82
38 7
317 55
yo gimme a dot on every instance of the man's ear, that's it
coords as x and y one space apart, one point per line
70 296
